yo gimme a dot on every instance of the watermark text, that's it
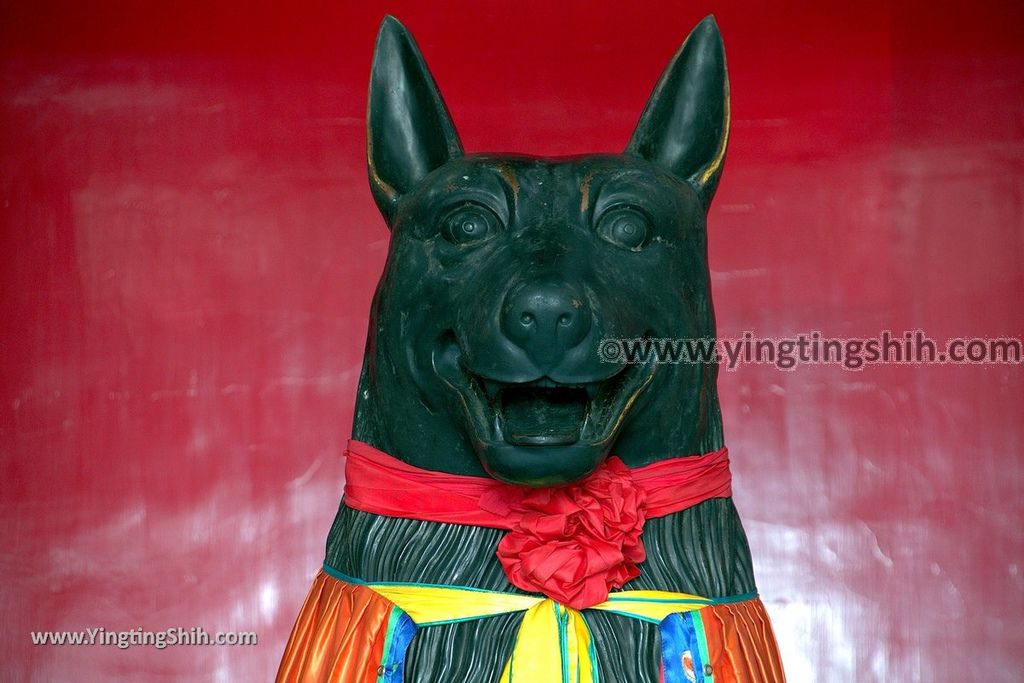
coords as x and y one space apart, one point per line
138 637
814 348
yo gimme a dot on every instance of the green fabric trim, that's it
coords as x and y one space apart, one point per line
331 571
734 598
562 617
702 643
392 620
703 602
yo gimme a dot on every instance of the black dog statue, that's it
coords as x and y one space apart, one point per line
518 508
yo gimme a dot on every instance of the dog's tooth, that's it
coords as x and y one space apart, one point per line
498 425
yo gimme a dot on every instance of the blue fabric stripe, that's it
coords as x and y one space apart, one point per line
394 658
678 636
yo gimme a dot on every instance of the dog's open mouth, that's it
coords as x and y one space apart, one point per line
539 413
543 412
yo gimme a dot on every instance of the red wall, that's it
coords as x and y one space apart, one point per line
189 248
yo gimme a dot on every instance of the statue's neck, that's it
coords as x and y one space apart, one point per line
701 550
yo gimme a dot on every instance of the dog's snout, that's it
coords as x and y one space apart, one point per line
546 318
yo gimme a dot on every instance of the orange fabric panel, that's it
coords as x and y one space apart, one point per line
741 643
339 635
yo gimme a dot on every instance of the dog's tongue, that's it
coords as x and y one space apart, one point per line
543 416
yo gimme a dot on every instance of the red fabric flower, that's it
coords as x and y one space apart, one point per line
574 543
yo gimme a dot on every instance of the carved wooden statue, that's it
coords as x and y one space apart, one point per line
517 507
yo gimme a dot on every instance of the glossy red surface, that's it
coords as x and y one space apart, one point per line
189 249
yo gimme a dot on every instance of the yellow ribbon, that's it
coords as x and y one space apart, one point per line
554 643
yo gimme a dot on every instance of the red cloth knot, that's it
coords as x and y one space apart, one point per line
573 543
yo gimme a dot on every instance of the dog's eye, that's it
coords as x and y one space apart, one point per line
469 224
624 227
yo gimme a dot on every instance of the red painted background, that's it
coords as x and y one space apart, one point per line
189 248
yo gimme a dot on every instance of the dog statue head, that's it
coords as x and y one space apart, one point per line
505 272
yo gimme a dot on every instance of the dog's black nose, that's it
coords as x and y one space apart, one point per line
546 318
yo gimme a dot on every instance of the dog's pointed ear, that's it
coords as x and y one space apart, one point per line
409 130
685 125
